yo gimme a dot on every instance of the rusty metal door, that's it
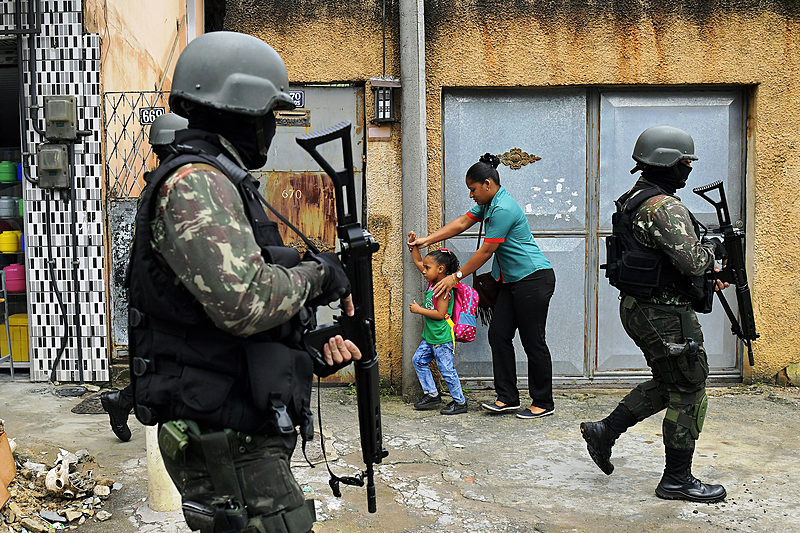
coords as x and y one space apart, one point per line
293 183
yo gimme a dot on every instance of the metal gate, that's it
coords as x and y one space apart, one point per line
126 124
566 154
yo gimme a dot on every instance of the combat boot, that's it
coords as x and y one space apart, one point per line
118 412
601 436
678 483
599 441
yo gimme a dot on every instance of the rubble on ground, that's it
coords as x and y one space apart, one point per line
55 495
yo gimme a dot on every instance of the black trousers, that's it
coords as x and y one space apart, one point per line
523 306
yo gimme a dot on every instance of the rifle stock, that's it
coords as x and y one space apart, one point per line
357 247
734 272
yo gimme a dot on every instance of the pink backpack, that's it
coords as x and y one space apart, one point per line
465 307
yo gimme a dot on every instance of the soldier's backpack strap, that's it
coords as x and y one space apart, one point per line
631 200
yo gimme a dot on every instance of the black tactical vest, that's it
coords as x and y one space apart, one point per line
641 271
182 365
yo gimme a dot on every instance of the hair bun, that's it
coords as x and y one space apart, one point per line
490 159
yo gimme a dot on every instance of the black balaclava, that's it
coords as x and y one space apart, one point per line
161 151
251 136
668 178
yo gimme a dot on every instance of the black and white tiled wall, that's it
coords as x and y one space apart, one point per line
67 62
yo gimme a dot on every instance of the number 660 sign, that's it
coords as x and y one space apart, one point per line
148 115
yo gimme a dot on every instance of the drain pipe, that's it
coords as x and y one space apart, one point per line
51 267
32 69
34 28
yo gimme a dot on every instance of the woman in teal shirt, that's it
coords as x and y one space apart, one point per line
527 284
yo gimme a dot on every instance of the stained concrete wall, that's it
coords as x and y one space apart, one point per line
537 43
136 39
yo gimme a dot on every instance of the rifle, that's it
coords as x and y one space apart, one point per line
357 247
734 271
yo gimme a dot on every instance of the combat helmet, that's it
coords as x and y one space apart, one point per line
163 128
663 146
232 72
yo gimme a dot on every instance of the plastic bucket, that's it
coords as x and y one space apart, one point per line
8 207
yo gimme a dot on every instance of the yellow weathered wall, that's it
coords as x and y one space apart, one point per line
673 43
537 43
341 42
136 39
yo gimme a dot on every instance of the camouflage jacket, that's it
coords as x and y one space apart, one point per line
664 222
201 231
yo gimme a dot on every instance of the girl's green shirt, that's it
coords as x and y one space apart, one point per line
437 331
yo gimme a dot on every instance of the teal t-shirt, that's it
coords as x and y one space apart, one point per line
437 331
517 254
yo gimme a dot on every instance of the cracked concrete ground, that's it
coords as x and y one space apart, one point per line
480 472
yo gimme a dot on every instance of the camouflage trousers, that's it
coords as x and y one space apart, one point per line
264 477
679 377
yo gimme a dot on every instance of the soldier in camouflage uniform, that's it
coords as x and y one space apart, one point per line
218 306
659 263
118 404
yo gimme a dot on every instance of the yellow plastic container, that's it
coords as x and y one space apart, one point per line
9 242
18 328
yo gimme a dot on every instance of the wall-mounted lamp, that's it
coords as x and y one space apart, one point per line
384 88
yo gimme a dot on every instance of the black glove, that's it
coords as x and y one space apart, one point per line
335 284
720 252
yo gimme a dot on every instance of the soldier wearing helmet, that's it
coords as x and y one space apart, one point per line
118 404
218 305
162 133
658 261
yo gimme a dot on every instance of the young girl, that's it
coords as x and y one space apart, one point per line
438 338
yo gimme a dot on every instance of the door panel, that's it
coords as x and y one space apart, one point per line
550 188
712 118
550 125
715 121
617 352
565 324
292 181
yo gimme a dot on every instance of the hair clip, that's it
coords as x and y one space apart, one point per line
445 250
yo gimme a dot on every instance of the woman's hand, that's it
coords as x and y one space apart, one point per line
338 350
444 286
412 236
421 242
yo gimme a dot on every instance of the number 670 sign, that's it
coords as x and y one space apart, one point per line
147 115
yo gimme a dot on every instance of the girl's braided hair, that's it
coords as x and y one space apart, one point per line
448 259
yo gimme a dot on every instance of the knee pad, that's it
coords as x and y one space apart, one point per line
687 413
700 409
